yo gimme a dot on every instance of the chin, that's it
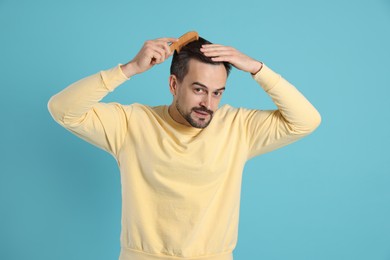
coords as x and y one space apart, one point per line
200 123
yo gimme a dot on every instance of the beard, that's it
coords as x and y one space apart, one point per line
202 122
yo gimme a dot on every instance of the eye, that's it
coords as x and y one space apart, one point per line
199 90
218 93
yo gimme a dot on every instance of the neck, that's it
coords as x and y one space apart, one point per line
175 114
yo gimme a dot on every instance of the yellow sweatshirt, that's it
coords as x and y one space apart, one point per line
181 185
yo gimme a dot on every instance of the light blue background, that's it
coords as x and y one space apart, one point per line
324 197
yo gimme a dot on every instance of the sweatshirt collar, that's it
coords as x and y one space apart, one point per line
178 126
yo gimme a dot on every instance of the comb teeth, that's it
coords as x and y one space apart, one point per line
184 40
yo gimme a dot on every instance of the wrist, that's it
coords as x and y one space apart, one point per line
129 69
257 68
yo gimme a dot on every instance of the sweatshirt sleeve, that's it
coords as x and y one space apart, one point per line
79 110
295 117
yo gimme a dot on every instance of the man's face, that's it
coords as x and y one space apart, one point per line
197 97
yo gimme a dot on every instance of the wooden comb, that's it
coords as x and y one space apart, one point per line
184 40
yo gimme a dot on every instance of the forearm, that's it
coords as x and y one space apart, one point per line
301 116
71 104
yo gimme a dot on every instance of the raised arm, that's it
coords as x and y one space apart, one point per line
268 130
78 107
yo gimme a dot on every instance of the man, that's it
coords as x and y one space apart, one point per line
181 165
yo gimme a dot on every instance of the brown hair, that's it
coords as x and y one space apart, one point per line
179 65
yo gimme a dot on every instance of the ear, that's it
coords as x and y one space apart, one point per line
173 84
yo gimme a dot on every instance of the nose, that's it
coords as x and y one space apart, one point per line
206 101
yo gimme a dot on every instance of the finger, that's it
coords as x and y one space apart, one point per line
217 47
159 57
210 45
164 47
167 50
158 48
221 51
222 59
218 53
152 52
213 46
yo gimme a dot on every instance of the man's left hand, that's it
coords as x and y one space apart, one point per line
221 53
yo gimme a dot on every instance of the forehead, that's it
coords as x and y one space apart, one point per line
211 75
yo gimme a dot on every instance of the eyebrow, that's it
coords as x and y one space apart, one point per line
204 86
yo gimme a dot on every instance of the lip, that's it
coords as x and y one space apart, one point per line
201 113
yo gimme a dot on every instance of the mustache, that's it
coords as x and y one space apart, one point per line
203 109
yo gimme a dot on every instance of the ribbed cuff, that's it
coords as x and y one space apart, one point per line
113 77
266 77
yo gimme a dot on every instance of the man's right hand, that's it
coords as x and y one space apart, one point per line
152 52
